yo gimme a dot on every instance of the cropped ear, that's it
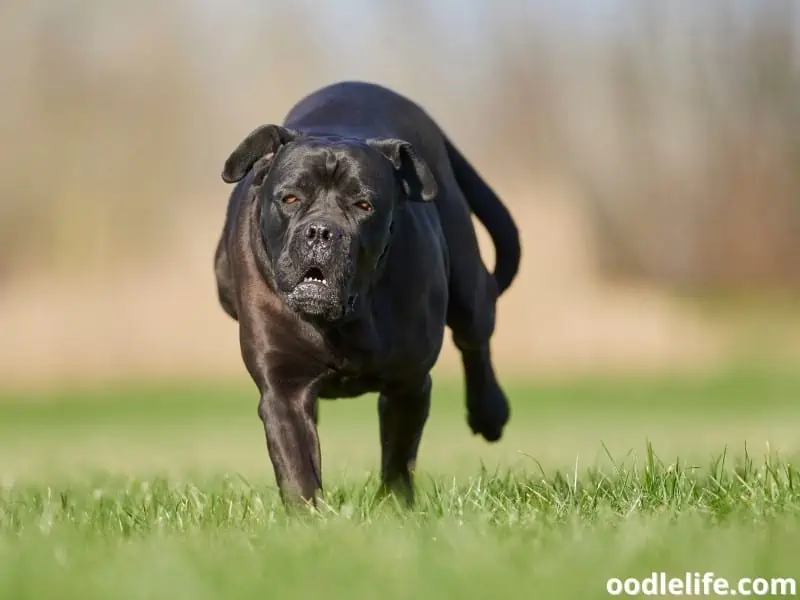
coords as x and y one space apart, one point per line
417 177
261 142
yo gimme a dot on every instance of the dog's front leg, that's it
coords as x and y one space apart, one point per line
402 415
292 441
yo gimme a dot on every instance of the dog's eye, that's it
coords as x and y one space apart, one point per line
289 199
364 205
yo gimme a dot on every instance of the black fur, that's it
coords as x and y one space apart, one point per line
347 249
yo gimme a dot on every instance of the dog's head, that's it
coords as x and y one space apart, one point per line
327 206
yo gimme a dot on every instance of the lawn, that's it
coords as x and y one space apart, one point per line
164 491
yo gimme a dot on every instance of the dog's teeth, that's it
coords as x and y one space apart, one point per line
315 280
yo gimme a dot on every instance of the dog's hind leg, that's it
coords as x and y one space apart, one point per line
471 317
402 414
488 410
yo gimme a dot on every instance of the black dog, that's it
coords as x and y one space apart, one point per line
348 246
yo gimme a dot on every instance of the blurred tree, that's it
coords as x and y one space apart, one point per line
677 121
700 187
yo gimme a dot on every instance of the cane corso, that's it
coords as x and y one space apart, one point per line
347 248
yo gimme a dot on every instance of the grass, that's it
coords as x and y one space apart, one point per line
165 492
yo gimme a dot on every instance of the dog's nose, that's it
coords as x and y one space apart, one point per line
321 233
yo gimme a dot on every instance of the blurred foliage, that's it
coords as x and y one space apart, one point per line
676 122
697 183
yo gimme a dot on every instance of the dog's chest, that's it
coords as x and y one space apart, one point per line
353 358
346 385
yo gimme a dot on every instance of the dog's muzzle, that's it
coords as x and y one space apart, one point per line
319 271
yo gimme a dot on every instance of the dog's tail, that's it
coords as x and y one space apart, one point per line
490 211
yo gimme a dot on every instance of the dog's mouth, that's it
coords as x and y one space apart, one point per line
314 276
319 295
316 295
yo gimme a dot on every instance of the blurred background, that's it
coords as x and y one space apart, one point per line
648 150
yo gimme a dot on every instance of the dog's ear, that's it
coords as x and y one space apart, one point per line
417 177
261 142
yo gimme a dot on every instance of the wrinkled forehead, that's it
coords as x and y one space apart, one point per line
348 165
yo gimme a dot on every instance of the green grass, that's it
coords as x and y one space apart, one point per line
165 492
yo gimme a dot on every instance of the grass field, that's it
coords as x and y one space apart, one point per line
164 491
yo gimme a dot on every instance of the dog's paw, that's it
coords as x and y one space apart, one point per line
489 415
